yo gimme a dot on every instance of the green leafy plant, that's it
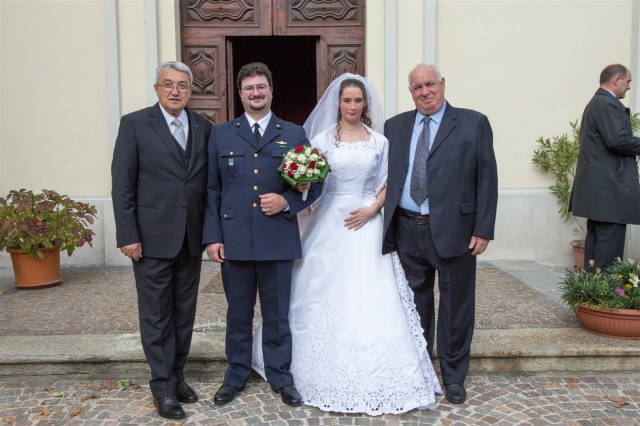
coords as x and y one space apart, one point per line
32 222
617 287
559 156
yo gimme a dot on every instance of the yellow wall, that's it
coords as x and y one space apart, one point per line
529 65
53 102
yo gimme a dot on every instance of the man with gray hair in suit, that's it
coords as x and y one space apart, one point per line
159 176
606 189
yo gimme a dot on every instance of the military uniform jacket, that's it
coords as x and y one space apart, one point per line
240 169
606 186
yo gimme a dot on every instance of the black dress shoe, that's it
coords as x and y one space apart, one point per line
168 407
455 394
226 394
185 394
290 395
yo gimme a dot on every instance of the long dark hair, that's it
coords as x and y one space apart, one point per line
364 118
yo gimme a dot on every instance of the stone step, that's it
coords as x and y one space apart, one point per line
120 355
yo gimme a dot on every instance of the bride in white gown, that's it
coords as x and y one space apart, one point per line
357 342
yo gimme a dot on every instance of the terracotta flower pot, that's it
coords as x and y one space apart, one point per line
616 323
33 272
578 253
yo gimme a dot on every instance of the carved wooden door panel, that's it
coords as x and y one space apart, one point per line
206 24
341 27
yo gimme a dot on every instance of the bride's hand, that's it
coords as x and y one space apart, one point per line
359 217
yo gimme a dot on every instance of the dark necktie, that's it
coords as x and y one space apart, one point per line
418 189
256 132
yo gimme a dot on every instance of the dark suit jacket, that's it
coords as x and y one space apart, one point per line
462 179
240 170
606 185
155 197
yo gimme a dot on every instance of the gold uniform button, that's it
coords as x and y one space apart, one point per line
255 155
255 204
255 171
255 188
225 215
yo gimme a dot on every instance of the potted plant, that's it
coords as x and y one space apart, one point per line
606 302
559 156
34 228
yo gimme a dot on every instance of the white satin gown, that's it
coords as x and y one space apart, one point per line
358 346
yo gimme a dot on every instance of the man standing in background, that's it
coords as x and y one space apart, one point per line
606 189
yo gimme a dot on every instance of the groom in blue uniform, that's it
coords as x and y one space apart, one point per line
250 227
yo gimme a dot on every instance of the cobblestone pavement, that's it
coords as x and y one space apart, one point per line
103 302
550 399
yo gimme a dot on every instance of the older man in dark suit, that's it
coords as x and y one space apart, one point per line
606 189
440 213
159 175
252 230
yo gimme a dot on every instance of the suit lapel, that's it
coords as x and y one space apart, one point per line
159 125
244 131
271 132
449 122
196 136
405 135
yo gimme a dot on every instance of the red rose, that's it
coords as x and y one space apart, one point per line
299 148
312 164
284 165
293 166
290 173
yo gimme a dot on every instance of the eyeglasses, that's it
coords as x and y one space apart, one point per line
168 87
260 88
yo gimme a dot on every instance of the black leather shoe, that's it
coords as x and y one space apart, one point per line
290 395
168 407
226 394
185 394
455 394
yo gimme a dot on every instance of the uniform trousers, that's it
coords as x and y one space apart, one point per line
242 280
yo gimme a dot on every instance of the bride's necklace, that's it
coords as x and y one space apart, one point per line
352 133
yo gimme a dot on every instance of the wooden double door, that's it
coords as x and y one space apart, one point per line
305 44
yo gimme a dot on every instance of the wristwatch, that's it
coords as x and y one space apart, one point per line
286 206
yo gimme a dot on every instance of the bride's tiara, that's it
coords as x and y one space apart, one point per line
350 76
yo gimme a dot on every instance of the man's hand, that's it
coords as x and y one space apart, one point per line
215 252
478 244
303 186
271 203
132 251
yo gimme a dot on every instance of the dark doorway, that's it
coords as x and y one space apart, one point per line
292 61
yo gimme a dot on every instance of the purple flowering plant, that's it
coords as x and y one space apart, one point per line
32 222
617 287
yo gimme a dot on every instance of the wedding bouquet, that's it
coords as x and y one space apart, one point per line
304 164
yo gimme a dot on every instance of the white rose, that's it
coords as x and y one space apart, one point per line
314 157
301 158
302 169
309 173
316 171
321 163
296 174
307 150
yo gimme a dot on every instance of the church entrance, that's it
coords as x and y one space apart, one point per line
305 43
292 61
